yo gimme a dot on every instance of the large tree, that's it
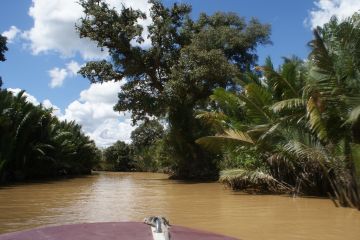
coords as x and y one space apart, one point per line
174 76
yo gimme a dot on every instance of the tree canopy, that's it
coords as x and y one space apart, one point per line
35 144
118 156
146 134
175 75
3 49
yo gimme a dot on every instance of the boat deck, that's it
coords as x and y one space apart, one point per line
107 231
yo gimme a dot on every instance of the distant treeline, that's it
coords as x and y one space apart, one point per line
36 144
147 152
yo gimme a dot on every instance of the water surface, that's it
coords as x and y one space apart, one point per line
207 206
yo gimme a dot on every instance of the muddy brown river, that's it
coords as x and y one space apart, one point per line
106 197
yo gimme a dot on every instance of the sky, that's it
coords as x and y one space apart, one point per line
45 52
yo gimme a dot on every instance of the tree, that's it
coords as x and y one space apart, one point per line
175 75
148 142
310 118
118 156
147 134
3 49
34 143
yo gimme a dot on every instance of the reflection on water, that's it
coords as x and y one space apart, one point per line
206 206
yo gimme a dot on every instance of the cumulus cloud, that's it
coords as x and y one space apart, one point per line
73 67
325 9
94 112
58 75
11 34
54 27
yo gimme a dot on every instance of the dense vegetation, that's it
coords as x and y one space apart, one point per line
35 144
297 128
147 152
176 74
294 129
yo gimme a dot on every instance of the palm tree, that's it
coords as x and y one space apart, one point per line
34 143
247 118
305 115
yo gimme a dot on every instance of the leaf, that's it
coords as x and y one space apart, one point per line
315 121
214 119
231 137
243 179
288 104
305 152
354 115
257 100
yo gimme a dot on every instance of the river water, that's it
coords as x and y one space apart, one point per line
207 206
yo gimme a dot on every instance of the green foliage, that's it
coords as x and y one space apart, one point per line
147 134
118 157
173 77
303 120
252 180
3 49
34 143
151 152
242 157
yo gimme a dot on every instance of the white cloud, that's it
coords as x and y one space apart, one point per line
58 76
325 9
54 27
11 34
73 67
94 112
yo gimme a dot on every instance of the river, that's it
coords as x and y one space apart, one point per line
207 206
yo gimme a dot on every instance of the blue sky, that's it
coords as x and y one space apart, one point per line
45 52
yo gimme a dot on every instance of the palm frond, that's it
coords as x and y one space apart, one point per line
279 82
228 101
305 152
257 100
315 121
320 55
243 179
288 104
214 119
230 137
